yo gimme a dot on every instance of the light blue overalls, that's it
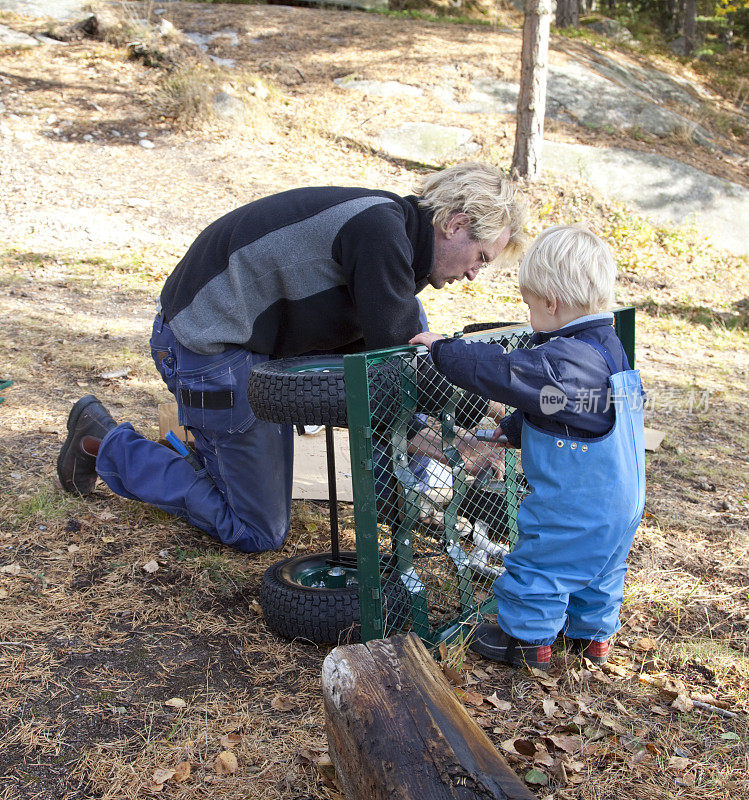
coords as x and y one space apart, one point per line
577 524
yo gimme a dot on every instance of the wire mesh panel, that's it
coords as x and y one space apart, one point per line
435 505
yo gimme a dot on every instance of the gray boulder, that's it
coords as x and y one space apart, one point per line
229 109
15 40
426 143
612 29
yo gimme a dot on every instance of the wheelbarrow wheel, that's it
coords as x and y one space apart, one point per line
300 391
310 390
296 604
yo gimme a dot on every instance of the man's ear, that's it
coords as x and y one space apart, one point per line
457 222
551 306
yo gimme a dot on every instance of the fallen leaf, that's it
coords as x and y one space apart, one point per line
49 429
162 775
660 711
525 747
11 569
500 705
182 771
568 706
682 703
645 644
73 548
106 516
543 758
175 702
550 707
3 593
474 698
611 723
678 764
573 766
443 651
155 787
615 669
452 675
481 674
151 566
621 707
730 735
281 703
536 777
225 763
671 689
256 608
229 740
569 744
710 700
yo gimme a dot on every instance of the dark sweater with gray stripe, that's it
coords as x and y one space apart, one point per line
317 269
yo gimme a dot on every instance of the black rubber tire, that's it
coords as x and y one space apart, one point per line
479 327
320 615
299 391
310 390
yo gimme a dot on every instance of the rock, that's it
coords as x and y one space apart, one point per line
378 88
368 5
15 40
147 144
613 30
678 46
426 143
42 39
229 108
166 29
100 26
60 10
661 189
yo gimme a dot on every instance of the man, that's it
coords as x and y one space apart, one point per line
316 269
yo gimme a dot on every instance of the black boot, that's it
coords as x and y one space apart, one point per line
492 642
76 468
597 652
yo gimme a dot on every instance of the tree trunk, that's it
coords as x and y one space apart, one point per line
568 13
396 730
529 133
690 26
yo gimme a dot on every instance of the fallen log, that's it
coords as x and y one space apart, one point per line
396 730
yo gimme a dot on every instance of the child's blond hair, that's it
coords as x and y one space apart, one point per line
571 264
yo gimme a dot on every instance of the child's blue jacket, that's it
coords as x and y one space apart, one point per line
559 360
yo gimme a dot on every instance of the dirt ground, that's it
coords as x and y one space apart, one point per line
111 670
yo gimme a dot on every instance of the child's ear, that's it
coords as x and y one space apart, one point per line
551 306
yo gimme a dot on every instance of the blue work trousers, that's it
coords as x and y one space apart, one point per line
241 495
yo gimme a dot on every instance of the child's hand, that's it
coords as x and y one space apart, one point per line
427 339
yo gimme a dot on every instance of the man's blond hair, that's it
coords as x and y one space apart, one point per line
485 194
571 264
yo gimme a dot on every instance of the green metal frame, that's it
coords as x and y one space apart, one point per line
401 558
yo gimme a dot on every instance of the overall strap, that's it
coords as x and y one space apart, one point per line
596 345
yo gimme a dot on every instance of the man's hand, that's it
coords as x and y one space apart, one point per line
427 339
496 411
477 455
